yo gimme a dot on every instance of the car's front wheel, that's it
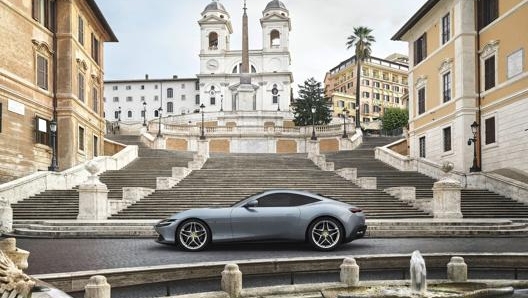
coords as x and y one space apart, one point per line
325 233
193 235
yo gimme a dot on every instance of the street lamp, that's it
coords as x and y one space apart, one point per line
345 114
144 113
159 135
278 102
474 130
313 138
53 128
202 133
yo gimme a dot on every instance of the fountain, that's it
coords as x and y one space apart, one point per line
419 288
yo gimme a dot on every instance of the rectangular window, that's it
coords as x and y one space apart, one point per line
128 87
386 86
80 30
129 98
95 48
95 100
183 97
366 82
490 130
155 86
420 49
197 99
81 138
42 135
81 87
446 89
142 87
95 146
396 99
142 98
213 100
386 97
183 86
446 28
366 94
447 139
377 84
376 96
197 85
115 88
170 93
422 146
116 99
421 101
42 72
488 11
116 115
156 98
275 99
396 88
489 73
43 12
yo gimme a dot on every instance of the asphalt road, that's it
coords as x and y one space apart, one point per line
67 255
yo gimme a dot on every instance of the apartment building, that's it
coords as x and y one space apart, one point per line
468 73
383 84
51 78
138 101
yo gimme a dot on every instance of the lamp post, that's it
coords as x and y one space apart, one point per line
159 135
53 128
202 132
474 130
278 102
144 113
345 114
313 138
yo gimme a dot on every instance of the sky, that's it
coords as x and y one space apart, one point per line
162 37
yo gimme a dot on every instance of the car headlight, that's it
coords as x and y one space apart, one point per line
165 222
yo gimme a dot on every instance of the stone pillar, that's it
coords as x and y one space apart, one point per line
97 287
232 280
349 272
313 148
203 148
6 216
93 196
160 143
446 199
18 256
348 173
457 270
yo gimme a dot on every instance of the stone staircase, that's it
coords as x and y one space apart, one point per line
228 178
474 204
142 172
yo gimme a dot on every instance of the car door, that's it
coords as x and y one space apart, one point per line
271 218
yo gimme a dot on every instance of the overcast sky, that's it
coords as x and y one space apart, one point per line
162 37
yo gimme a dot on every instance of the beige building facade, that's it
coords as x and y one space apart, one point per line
51 71
383 84
468 65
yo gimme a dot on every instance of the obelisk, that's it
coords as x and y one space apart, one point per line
246 92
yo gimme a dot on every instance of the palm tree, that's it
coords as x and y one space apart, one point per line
361 40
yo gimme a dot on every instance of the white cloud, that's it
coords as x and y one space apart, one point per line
161 38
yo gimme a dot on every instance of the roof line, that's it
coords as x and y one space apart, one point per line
101 18
415 19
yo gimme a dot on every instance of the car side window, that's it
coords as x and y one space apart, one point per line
284 200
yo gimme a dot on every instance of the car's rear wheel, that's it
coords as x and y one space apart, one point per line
193 235
325 233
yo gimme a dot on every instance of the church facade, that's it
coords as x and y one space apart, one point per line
268 76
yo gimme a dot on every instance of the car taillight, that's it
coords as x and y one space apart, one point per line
355 210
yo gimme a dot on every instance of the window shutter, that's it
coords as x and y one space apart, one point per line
424 46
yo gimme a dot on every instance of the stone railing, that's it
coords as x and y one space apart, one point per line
510 188
27 186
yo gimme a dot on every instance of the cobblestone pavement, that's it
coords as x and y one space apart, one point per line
66 255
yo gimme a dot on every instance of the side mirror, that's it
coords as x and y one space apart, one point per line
251 204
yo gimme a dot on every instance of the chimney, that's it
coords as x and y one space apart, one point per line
146 77
174 76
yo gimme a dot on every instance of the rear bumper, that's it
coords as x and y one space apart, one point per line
357 233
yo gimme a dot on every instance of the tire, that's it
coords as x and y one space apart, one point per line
193 235
325 234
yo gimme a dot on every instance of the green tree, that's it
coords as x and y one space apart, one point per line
362 41
311 95
394 118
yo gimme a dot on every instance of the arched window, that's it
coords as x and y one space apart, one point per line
170 107
170 93
156 113
129 114
213 41
275 39
238 68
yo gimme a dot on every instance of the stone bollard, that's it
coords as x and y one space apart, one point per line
349 272
446 199
313 149
203 149
6 216
232 280
97 287
93 196
457 270
18 256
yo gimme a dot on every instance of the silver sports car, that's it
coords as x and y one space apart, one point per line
271 215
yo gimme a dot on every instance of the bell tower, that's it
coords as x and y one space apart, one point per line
276 27
216 29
